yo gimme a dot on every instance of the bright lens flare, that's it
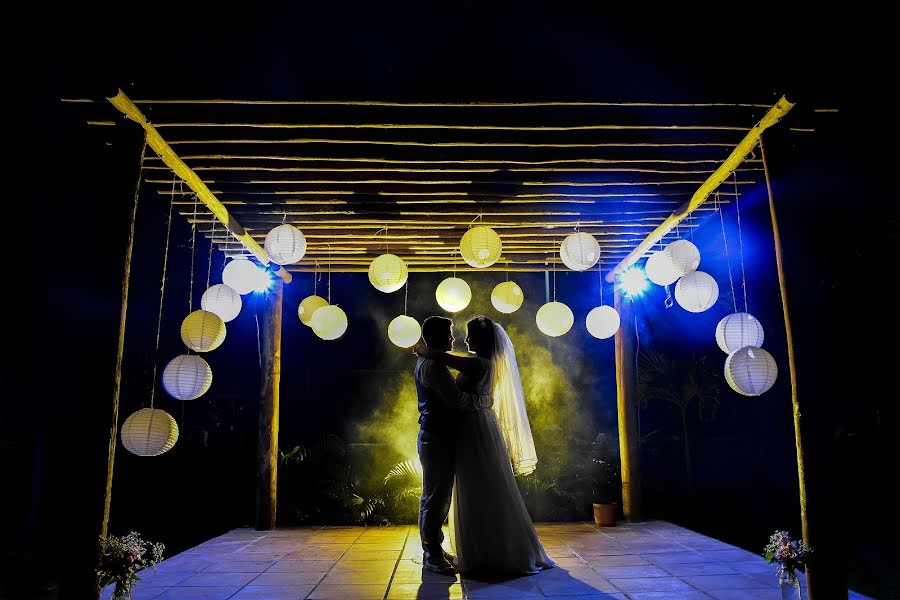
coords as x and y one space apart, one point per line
633 281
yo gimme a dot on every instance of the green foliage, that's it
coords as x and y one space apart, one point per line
121 558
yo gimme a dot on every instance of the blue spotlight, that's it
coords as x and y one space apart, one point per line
633 281
263 280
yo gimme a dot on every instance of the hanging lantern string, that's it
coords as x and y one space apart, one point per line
315 278
193 253
507 270
162 295
737 204
600 277
329 273
209 259
406 296
554 277
727 257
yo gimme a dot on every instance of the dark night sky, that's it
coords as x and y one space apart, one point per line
66 186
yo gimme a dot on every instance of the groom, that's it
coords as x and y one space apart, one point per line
438 398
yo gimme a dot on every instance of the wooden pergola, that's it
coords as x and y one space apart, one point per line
357 176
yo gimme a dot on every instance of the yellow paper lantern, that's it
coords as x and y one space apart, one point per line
453 294
329 322
684 256
480 247
696 292
750 371
739 330
404 331
507 297
241 275
554 319
579 251
308 306
602 322
388 273
285 245
187 377
202 331
660 270
149 432
222 300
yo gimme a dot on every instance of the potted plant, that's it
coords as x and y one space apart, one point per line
121 558
606 488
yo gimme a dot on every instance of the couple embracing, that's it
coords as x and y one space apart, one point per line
474 437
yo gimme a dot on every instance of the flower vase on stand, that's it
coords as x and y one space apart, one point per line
121 592
789 585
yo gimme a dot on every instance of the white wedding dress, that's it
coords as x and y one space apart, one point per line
491 530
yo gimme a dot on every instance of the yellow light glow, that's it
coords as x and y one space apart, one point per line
453 294
202 331
329 322
308 306
554 319
480 247
404 331
388 273
507 297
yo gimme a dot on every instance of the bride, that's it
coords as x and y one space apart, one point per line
491 530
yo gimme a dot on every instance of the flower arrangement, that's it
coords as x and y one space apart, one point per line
122 557
790 555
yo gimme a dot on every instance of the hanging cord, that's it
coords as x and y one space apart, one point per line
727 256
507 270
406 296
737 204
209 259
193 253
316 278
162 294
637 376
329 273
600 277
554 277
258 340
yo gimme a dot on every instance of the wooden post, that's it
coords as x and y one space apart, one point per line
792 370
627 407
267 452
120 349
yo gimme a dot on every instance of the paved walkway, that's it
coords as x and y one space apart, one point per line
637 561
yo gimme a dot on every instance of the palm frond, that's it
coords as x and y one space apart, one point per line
406 468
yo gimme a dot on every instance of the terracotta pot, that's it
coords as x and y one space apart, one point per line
605 514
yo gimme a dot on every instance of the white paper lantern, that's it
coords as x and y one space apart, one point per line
285 245
388 273
404 331
554 319
738 330
684 256
507 297
453 294
329 322
241 275
696 292
149 432
750 371
480 247
202 331
579 251
308 306
222 300
602 322
187 377
660 270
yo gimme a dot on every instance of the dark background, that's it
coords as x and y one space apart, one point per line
67 192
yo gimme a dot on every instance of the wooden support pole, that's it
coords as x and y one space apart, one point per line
627 407
267 450
792 369
120 350
734 160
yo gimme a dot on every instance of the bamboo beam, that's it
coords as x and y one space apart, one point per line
626 408
445 170
792 369
448 182
351 159
551 128
781 108
458 144
267 451
445 104
165 152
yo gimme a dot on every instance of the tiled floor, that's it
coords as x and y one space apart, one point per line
636 561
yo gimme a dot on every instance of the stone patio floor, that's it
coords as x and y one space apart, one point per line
635 561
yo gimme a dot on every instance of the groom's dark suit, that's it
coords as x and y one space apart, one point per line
438 398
